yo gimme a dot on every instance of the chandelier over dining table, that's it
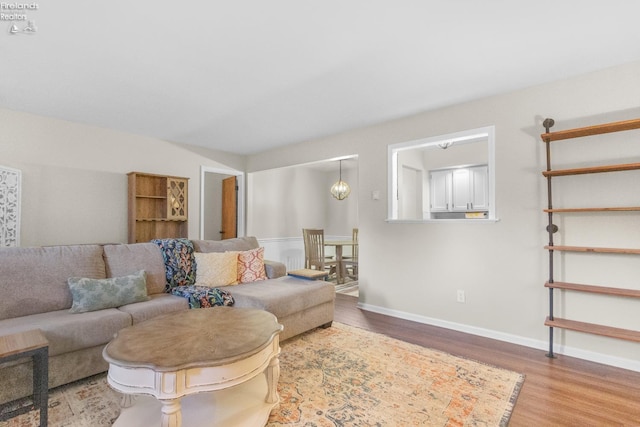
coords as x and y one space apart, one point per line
340 190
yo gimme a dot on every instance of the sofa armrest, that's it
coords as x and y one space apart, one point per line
274 269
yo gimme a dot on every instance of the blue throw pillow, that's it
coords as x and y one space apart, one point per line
97 294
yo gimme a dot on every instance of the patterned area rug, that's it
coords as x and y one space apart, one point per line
344 376
341 376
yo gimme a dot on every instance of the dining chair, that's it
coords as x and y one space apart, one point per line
354 237
351 262
314 257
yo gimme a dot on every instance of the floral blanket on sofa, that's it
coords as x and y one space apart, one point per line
180 271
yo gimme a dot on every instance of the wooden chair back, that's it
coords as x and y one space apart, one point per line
351 262
313 248
354 251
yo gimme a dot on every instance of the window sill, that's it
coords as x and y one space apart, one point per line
438 221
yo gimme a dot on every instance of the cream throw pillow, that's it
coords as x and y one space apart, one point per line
216 268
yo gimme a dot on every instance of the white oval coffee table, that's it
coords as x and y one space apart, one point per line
202 368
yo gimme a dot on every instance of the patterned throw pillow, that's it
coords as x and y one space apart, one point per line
251 266
216 268
97 294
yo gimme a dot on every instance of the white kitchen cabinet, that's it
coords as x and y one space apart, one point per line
440 198
460 190
479 188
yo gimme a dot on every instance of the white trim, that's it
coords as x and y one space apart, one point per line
268 240
278 239
241 197
619 362
439 221
466 136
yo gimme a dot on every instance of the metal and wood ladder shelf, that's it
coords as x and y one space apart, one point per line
556 322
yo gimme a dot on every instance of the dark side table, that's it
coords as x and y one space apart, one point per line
29 344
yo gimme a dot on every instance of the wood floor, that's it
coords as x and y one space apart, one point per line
557 392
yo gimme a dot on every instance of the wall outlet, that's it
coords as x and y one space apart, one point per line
460 297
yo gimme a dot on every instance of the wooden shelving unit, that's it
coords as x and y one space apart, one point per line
157 206
556 322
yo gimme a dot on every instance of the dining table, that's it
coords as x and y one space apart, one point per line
341 270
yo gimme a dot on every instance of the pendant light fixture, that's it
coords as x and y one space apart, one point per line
340 190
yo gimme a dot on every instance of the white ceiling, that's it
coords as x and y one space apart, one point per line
247 75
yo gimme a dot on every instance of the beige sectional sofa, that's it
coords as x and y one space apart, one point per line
34 294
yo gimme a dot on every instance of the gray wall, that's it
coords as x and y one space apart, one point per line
74 191
281 202
414 270
74 182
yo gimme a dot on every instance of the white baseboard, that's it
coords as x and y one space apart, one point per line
632 365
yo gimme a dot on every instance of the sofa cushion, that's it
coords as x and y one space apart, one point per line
251 266
97 294
236 244
216 268
274 269
34 280
121 260
68 332
156 305
282 296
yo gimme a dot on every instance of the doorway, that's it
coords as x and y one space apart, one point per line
221 203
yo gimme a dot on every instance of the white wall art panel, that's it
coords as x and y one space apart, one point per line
10 183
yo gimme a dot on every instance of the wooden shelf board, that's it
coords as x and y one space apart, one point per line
611 209
591 130
592 328
143 196
605 290
593 249
594 169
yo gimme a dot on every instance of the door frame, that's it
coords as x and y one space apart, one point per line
241 196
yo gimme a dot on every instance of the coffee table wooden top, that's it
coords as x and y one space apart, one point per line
190 338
